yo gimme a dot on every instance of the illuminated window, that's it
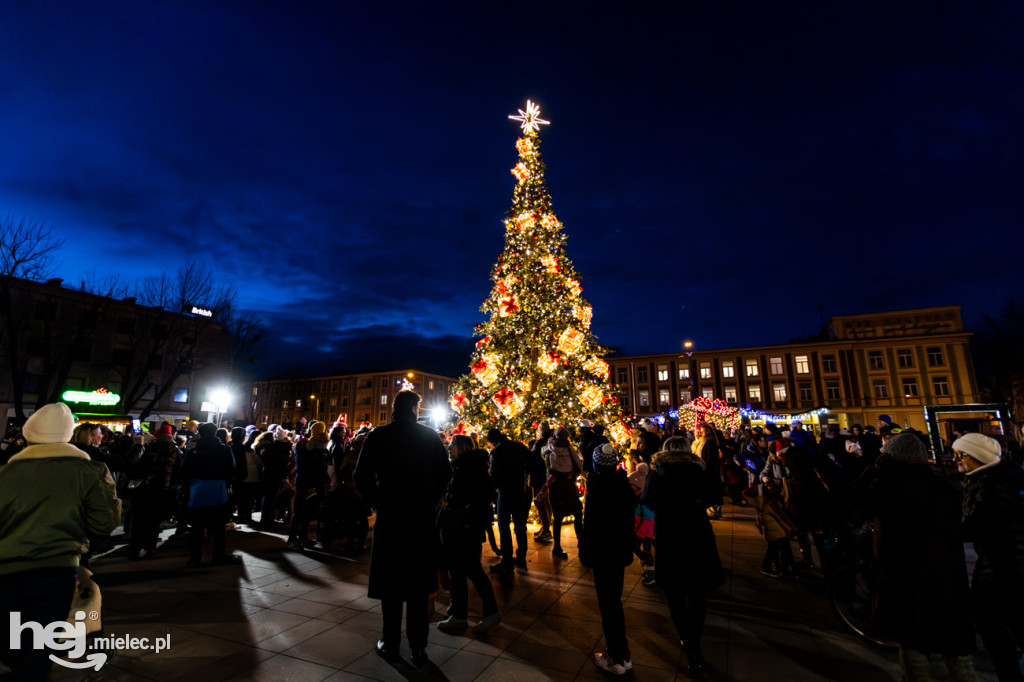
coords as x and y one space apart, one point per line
775 364
754 393
803 365
255 390
707 392
663 373
705 370
333 402
905 357
828 364
430 384
663 396
935 358
298 403
644 397
910 388
728 370
832 390
941 385
284 404
684 396
684 372
752 370
875 359
779 392
181 395
881 388
730 394
641 374
805 391
383 400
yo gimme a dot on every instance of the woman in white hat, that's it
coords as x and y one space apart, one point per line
994 522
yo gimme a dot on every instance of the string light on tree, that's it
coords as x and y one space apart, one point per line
536 358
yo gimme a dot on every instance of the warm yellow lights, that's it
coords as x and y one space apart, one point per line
592 398
548 362
597 367
584 313
570 341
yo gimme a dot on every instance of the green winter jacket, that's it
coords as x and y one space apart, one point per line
52 496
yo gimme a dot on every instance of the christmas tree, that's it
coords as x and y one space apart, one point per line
536 358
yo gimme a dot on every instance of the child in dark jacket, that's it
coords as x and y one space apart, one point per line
606 546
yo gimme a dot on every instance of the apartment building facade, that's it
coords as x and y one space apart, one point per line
357 399
859 367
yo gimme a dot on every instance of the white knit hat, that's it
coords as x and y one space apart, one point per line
51 423
982 448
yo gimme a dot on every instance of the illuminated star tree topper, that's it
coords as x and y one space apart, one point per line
530 118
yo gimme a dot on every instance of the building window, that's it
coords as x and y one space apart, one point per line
707 392
383 400
910 388
828 363
383 417
334 387
803 365
284 404
344 401
775 364
730 394
430 384
832 390
875 359
333 402
935 358
644 397
779 392
684 396
705 370
684 372
663 396
180 395
805 391
298 403
384 384
752 370
344 386
623 375
905 357
754 393
255 390
728 370
126 325
881 388
662 372
641 374
941 385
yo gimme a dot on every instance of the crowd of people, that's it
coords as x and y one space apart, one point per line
435 497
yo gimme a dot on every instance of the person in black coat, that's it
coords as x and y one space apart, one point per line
993 511
152 497
311 483
508 471
607 547
467 509
208 470
686 554
707 447
402 472
923 601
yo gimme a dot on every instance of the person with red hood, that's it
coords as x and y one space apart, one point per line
153 499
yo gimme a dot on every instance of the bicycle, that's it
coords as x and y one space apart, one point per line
851 594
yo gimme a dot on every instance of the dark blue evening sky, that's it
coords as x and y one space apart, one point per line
345 166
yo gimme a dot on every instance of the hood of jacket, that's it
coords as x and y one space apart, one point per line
47 450
670 458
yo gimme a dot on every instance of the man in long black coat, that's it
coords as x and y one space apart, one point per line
402 472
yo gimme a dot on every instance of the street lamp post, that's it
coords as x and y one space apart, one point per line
316 415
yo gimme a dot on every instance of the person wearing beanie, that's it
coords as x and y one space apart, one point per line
311 483
687 554
923 598
152 495
208 470
275 454
52 498
508 472
606 546
993 511
591 437
403 472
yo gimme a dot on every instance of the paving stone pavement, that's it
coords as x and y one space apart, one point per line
286 615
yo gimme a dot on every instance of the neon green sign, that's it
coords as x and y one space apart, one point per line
97 397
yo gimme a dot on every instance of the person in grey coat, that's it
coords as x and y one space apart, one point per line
403 472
